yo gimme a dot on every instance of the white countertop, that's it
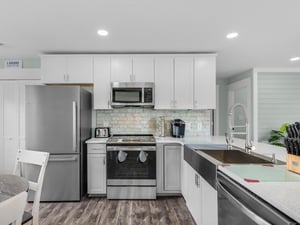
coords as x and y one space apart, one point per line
283 195
97 141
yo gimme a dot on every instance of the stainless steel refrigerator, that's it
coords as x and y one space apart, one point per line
58 121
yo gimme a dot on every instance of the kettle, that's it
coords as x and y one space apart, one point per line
177 128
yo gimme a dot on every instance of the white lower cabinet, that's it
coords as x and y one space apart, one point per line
200 197
96 161
169 169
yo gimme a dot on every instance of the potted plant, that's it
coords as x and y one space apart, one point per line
277 136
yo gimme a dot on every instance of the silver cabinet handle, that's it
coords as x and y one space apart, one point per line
74 126
253 216
104 161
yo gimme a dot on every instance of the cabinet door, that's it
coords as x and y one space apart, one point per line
143 69
205 82
9 125
121 69
172 168
96 173
102 83
54 69
164 82
184 72
210 204
80 69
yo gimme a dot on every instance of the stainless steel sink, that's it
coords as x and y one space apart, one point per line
235 156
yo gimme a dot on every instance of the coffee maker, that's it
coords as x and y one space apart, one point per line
177 128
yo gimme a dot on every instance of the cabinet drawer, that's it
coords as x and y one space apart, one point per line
96 148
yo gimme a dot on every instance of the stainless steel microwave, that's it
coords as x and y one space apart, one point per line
139 94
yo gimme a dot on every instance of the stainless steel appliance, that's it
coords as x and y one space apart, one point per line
236 206
58 120
102 132
138 94
131 167
177 128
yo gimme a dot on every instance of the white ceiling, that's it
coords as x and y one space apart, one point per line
269 29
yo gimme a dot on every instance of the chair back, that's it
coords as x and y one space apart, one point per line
34 158
12 209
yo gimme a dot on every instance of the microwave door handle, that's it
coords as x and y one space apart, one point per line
253 216
74 133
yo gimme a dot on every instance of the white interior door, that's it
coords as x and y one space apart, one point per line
239 92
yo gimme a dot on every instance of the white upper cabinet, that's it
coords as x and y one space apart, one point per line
205 82
143 69
164 82
121 69
132 69
67 69
183 82
102 82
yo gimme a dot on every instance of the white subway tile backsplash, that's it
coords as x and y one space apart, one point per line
137 120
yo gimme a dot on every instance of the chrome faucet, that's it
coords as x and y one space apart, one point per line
229 135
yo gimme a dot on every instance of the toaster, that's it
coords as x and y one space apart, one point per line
102 132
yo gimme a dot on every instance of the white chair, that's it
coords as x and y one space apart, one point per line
12 209
34 158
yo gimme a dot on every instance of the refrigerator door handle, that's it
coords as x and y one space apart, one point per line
63 159
74 126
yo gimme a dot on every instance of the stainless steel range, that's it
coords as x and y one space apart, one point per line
131 167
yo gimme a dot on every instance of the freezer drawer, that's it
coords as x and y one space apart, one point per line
61 181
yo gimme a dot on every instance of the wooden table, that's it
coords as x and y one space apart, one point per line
11 185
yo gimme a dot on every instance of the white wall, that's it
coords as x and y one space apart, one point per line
278 101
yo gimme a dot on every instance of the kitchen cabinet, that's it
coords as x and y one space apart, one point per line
205 82
102 83
201 198
75 69
183 82
132 69
169 168
164 82
96 161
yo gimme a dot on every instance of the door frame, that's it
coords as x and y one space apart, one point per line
245 83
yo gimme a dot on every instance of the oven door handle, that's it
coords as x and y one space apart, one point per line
253 216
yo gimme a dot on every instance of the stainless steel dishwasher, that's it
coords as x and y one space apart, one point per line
237 205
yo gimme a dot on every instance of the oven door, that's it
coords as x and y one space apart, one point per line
126 164
236 206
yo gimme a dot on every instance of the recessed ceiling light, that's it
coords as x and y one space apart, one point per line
295 59
102 32
232 35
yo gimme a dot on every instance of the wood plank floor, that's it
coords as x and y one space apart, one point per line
100 211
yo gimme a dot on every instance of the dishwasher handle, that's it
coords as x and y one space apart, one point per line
253 216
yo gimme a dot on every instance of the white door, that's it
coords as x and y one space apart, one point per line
172 168
102 83
239 92
9 124
121 69
205 82
164 82
54 69
96 173
80 69
143 68
184 72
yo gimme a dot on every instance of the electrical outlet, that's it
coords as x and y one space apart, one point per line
188 126
200 126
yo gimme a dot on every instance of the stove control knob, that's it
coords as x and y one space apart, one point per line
142 156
